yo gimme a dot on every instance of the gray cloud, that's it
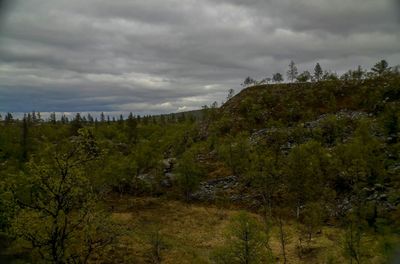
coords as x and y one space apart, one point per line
163 56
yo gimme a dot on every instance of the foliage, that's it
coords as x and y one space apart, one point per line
188 173
57 212
245 242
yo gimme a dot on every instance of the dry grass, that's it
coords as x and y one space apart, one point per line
191 232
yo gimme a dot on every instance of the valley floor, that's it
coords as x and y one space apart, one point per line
190 232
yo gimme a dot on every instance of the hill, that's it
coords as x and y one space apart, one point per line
308 172
291 103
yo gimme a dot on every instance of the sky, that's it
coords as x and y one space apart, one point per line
163 56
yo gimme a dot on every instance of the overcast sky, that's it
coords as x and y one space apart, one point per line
160 56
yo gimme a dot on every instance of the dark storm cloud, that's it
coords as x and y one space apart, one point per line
162 56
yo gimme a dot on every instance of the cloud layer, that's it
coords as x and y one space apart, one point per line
160 56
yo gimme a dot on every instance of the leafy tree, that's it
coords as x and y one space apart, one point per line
245 242
7 205
304 77
267 80
57 207
235 153
188 173
292 71
248 82
306 171
362 167
145 158
330 76
277 77
312 220
352 241
318 73
263 173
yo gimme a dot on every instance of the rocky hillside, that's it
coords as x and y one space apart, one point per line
290 103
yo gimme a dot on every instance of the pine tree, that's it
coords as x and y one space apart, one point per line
24 139
380 67
131 126
76 124
292 72
8 118
318 73
52 118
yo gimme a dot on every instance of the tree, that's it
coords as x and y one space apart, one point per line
277 77
330 76
188 174
267 80
380 68
248 82
57 212
157 245
131 127
52 118
352 241
235 152
8 118
318 72
283 235
307 177
292 71
24 139
311 222
245 242
90 118
358 74
76 124
263 173
304 77
231 93
361 162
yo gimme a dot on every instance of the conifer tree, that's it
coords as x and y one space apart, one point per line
318 73
292 71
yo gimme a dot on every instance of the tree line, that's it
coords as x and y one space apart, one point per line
379 69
